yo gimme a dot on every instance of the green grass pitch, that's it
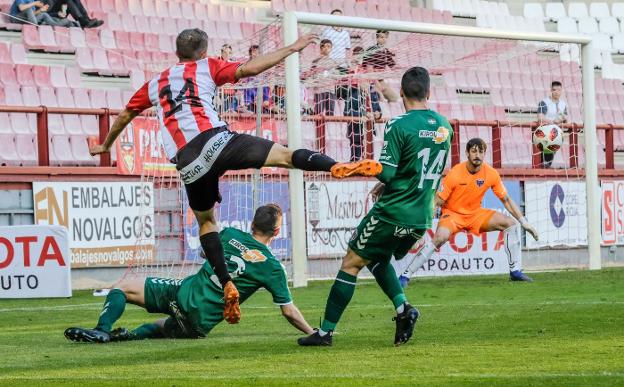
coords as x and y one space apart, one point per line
566 328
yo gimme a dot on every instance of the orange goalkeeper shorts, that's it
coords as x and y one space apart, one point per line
475 223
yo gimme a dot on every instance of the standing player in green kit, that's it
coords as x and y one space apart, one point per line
195 304
416 146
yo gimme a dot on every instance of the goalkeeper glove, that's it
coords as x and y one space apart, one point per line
530 229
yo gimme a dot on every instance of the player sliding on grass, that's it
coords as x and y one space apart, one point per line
195 304
460 196
202 146
415 150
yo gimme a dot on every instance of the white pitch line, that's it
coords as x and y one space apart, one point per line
369 306
295 376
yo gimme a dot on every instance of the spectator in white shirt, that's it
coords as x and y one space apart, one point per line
552 110
341 42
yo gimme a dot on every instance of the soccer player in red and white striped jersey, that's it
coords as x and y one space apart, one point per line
202 146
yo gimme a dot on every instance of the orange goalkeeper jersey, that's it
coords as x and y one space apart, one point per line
463 191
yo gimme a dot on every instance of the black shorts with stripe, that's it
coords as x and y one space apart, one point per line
212 153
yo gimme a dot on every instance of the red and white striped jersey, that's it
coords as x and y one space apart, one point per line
183 95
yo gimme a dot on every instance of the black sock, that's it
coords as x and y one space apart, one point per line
308 160
214 254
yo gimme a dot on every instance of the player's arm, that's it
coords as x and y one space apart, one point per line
513 209
391 152
292 314
122 120
266 61
139 102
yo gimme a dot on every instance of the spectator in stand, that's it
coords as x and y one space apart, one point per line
552 110
361 104
35 12
250 94
60 9
341 42
378 57
229 98
322 67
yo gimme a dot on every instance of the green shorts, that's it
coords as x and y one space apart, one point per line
161 297
378 240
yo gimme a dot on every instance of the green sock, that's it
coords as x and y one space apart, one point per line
388 281
147 331
339 297
113 309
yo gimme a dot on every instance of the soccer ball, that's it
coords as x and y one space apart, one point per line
548 138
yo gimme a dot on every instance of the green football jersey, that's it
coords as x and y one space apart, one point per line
251 265
416 145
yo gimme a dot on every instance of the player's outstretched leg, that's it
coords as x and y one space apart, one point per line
211 245
308 160
513 251
113 308
440 237
406 314
339 297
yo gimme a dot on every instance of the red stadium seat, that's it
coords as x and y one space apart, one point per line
47 39
235 30
18 53
129 23
137 40
225 13
164 43
113 21
92 37
72 124
63 41
93 5
60 150
200 11
84 60
174 10
98 98
108 6
149 8
100 61
22 123
113 99
130 61
24 75
42 75
80 150
65 97
30 37
169 26
30 96
82 98
181 25
137 79
26 145
107 38
14 98
156 25
187 10
77 37
116 63
5 53
73 76
161 8
8 150
122 40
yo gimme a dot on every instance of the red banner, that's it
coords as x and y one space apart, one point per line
140 150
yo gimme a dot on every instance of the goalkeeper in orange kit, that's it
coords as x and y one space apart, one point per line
460 196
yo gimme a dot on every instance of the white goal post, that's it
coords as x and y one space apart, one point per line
290 24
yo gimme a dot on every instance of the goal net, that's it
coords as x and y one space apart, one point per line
488 88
